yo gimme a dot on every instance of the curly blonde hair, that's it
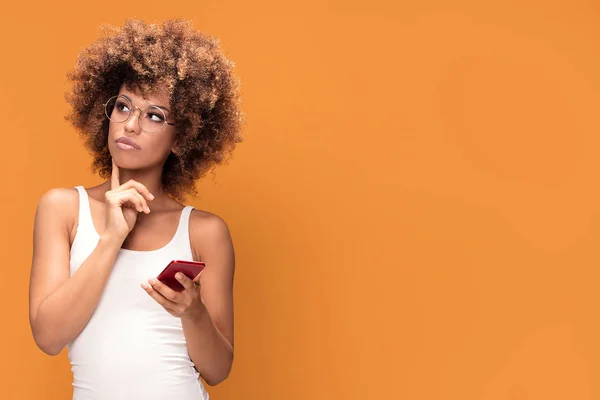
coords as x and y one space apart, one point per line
203 92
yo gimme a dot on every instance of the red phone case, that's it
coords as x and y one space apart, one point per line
190 268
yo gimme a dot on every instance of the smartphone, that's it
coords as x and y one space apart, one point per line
190 268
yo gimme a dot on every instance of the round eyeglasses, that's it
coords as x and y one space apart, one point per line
151 119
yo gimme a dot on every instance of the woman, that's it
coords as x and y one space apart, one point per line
158 107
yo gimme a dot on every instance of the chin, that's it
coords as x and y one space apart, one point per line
137 162
129 164
129 159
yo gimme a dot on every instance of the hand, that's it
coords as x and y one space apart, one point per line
185 304
123 202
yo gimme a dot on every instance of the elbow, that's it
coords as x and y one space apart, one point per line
44 336
218 377
215 380
47 343
52 349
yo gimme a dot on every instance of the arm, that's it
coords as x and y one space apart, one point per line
206 313
209 331
60 306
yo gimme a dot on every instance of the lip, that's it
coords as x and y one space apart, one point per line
128 143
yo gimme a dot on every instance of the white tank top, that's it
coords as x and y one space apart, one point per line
131 348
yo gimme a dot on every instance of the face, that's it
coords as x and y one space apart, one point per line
131 146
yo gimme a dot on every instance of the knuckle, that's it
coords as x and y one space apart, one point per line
109 197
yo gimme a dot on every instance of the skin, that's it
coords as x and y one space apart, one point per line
132 211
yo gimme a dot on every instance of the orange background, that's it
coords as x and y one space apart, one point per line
415 208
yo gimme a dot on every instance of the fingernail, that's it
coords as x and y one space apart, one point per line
144 285
152 281
151 196
179 275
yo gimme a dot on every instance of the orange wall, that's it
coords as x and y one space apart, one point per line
415 208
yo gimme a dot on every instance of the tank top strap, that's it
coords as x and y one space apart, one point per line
183 229
85 214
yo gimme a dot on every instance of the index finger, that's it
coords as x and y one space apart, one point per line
114 176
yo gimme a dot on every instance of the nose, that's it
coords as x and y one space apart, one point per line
131 125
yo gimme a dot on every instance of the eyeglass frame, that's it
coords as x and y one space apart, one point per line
165 122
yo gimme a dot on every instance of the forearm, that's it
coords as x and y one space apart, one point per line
210 351
63 314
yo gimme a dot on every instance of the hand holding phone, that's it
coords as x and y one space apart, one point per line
190 268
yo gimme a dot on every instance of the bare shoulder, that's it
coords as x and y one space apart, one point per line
61 203
206 224
208 230
59 200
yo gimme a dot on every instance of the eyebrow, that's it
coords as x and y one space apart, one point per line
153 105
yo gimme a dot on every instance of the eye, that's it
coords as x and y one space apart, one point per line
122 106
154 114
155 117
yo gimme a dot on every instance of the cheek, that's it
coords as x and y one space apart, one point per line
111 130
161 146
